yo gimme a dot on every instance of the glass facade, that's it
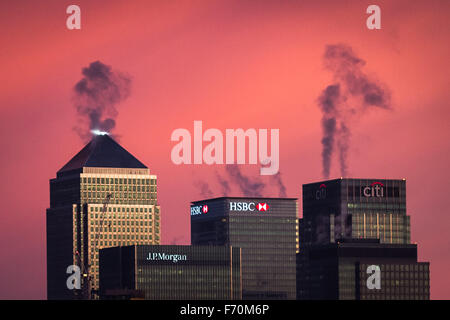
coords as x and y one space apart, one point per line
265 229
340 272
349 224
409 281
355 208
78 226
171 272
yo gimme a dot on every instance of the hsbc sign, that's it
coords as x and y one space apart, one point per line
249 206
195 210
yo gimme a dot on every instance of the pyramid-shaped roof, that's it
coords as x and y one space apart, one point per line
103 151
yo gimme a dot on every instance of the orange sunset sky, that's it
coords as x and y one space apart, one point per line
232 64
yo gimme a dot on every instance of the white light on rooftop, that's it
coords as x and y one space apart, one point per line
99 133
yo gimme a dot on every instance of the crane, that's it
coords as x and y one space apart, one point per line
88 282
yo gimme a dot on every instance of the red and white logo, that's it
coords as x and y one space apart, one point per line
322 192
205 209
262 206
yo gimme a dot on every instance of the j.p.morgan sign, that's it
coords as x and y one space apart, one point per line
161 256
249 206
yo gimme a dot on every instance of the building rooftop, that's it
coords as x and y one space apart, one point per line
242 198
350 179
102 151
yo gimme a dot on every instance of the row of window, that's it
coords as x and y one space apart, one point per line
125 229
394 297
118 181
119 188
102 195
122 223
123 237
121 209
401 267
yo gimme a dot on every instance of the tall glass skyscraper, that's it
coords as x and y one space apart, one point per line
266 231
350 227
101 173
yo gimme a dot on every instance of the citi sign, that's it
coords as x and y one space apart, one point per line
322 192
376 189
249 206
195 210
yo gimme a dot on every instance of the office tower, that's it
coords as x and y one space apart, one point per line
349 225
355 208
171 272
264 228
342 270
102 197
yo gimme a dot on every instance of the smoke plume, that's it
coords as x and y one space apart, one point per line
224 185
248 187
278 182
205 190
352 94
96 97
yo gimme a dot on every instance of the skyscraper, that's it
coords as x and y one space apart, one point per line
171 272
342 271
103 197
350 227
266 231
355 208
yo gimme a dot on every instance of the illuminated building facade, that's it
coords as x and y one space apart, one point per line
77 228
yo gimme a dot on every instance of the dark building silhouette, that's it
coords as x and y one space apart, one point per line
355 208
350 227
341 271
171 272
265 229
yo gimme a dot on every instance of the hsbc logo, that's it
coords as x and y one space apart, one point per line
322 192
195 210
262 206
249 206
376 189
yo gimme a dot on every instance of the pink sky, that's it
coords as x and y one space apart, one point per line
231 64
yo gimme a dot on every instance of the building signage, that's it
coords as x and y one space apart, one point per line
376 189
249 206
161 256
